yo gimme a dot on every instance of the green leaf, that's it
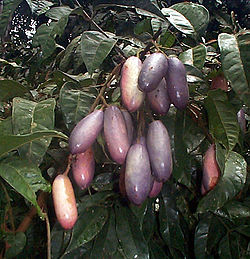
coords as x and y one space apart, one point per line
56 13
25 178
229 246
95 48
5 126
195 56
106 242
29 117
129 234
39 7
208 233
75 103
17 242
229 185
143 26
178 21
156 251
10 89
235 63
88 225
167 39
13 64
12 142
197 15
223 124
103 182
149 221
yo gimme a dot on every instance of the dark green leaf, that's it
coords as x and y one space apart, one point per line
244 229
103 182
149 221
56 13
223 124
10 89
95 48
235 51
167 39
156 252
12 142
75 103
5 62
17 242
230 183
25 178
29 117
88 225
139 211
143 26
39 7
229 246
6 126
129 235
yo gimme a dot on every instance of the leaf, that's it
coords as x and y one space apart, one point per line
208 233
129 235
178 21
167 39
106 242
95 48
16 242
75 103
195 56
103 182
156 251
149 221
25 178
12 142
39 7
197 15
10 89
29 117
222 119
5 126
229 185
56 13
235 63
88 225
13 64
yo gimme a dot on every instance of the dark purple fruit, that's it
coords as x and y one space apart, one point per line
129 125
154 68
156 189
137 174
159 150
132 97
83 168
211 170
116 135
158 99
64 201
177 83
242 120
85 132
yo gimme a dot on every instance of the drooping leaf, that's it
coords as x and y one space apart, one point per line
17 242
195 56
197 14
229 185
75 103
25 178
235 63
223 124
10 89
29 117
12 142
129 234
95 48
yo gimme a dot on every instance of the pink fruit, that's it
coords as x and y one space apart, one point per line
156 189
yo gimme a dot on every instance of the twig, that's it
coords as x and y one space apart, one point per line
48 236
68 165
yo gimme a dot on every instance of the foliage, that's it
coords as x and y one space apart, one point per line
50 81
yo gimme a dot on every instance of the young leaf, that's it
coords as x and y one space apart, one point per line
95 48
29 117
235 64
229 185
25 178
223 124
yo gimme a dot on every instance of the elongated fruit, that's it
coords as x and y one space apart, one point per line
158 99
219 82
156 189
83 168
129 125
211 171
137 174
154 68
132 97
177 83
85 132
64 201
116 135
159 150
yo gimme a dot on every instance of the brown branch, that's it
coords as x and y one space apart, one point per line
68 165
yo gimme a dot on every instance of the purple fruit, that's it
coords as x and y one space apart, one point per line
177 83
211 170
154 68
83 168
137 174
156 188
129 125
132 97
158 99
85 132
159 150
116 135
242 120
